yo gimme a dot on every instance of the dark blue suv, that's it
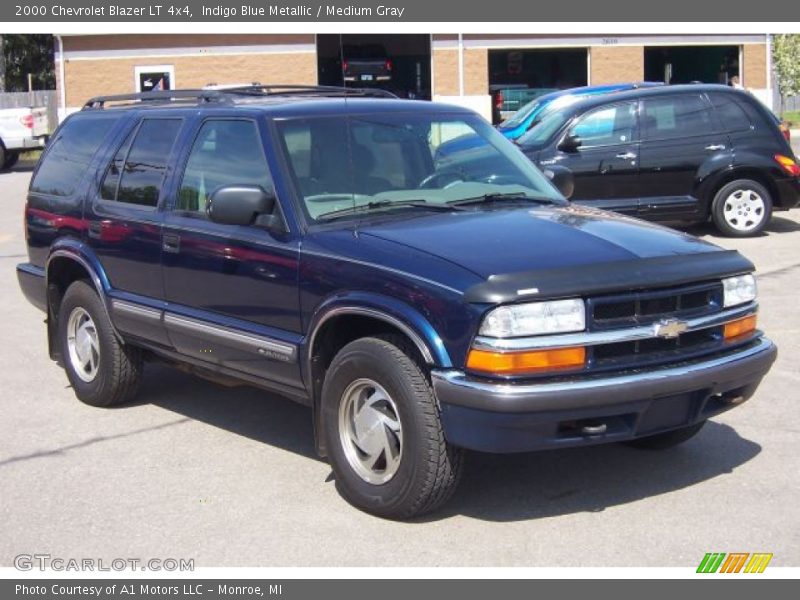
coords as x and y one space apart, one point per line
313 242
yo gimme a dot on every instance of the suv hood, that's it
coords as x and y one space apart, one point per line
571 242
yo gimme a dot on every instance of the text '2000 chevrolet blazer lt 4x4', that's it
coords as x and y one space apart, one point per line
313 242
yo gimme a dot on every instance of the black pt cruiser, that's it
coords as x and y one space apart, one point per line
313 242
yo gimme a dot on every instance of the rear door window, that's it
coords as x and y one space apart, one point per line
136 172
70 152
670 117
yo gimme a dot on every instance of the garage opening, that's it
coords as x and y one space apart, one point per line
685 64
518 76
399 63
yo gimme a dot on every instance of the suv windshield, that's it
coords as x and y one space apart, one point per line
381 162
519 117
550 122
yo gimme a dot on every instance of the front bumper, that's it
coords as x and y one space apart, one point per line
508 417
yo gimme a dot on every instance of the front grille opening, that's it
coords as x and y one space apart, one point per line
657 349
648 306
615 310
659 306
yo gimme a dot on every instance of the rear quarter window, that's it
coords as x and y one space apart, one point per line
731 113
70 153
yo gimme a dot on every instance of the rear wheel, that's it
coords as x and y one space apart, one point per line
741 208
381 425
668 439
102 371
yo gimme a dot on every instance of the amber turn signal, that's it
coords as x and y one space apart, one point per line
521 363
739 327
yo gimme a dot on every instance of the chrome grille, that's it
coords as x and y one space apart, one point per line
644 307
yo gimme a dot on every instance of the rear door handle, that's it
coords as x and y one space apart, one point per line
627 155
171 242
715 147
95 229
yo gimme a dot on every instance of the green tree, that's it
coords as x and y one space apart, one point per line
786 59
25 54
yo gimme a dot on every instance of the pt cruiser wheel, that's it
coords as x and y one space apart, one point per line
102 371
382 430
741 208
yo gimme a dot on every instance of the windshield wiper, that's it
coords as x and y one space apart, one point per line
385 204
501 197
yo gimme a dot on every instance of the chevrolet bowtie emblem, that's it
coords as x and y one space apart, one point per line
669 328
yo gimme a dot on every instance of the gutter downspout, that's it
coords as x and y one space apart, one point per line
770 90
460 64
62 89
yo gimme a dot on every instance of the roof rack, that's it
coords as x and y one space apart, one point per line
157 96
226 94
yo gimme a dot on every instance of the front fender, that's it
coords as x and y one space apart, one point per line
397 313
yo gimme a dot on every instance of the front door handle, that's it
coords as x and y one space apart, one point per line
171 242
713 147
627 155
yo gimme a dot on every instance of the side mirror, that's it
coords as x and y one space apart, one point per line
571 143
562 178
239 204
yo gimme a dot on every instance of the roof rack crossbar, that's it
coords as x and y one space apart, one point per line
157 96
321 90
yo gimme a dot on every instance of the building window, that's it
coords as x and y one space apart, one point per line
151 78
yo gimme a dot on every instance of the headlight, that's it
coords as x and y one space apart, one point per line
535 318
738 290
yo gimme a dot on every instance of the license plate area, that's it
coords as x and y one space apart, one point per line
669 412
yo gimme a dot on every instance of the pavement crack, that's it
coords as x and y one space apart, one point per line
89 442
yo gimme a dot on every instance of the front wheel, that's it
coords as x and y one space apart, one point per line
382 429
668 439
741 208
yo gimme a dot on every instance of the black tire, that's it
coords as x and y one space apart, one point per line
119 367
668 439
720 207
11 159
429 468
3 154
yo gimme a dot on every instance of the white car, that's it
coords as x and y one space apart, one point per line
21 129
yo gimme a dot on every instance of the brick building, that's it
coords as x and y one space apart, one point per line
461 68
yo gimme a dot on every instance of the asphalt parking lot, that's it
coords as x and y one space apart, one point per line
228 477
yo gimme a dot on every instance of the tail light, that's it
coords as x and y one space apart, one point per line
345 65
27 121
498 100
788 165
388 65
787 133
